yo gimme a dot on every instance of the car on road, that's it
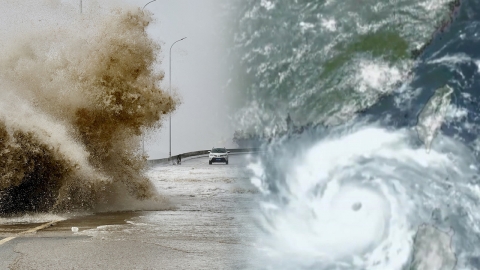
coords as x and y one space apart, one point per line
218 155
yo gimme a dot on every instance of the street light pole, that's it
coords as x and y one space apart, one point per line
80 6
170 91
143 135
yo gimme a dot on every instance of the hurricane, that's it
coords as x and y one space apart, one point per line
77 90
337 199
366 113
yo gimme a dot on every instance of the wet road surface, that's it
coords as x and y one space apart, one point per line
206 229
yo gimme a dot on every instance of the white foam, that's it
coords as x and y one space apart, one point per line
31 219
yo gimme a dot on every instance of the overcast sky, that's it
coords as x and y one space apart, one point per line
198 74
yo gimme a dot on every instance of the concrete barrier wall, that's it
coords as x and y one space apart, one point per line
152 162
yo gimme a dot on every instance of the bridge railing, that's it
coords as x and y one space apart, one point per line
152 162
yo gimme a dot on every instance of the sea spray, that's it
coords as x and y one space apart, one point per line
75 98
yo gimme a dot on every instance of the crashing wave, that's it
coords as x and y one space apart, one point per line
74 101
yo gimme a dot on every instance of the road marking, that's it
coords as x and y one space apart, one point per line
41 227
3 241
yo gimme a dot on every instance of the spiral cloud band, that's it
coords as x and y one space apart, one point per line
355 198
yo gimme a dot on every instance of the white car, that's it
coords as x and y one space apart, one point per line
218 155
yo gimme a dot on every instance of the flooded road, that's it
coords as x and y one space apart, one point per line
206 228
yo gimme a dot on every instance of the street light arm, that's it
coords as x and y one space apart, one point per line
170 60
176 42
147 4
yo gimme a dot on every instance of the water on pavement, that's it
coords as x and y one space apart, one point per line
206 226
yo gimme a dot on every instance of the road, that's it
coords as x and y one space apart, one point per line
207 228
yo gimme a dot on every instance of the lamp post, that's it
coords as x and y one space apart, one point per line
143 135
80 6
170 91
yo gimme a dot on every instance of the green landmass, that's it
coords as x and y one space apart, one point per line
388 45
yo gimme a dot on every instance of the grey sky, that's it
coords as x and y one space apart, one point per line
198 75
197 72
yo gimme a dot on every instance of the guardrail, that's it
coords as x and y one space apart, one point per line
152 162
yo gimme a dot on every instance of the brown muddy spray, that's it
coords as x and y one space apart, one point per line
74 101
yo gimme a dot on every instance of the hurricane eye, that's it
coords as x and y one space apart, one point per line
356 206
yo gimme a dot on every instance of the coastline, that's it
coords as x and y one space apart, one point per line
454 7
256 140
